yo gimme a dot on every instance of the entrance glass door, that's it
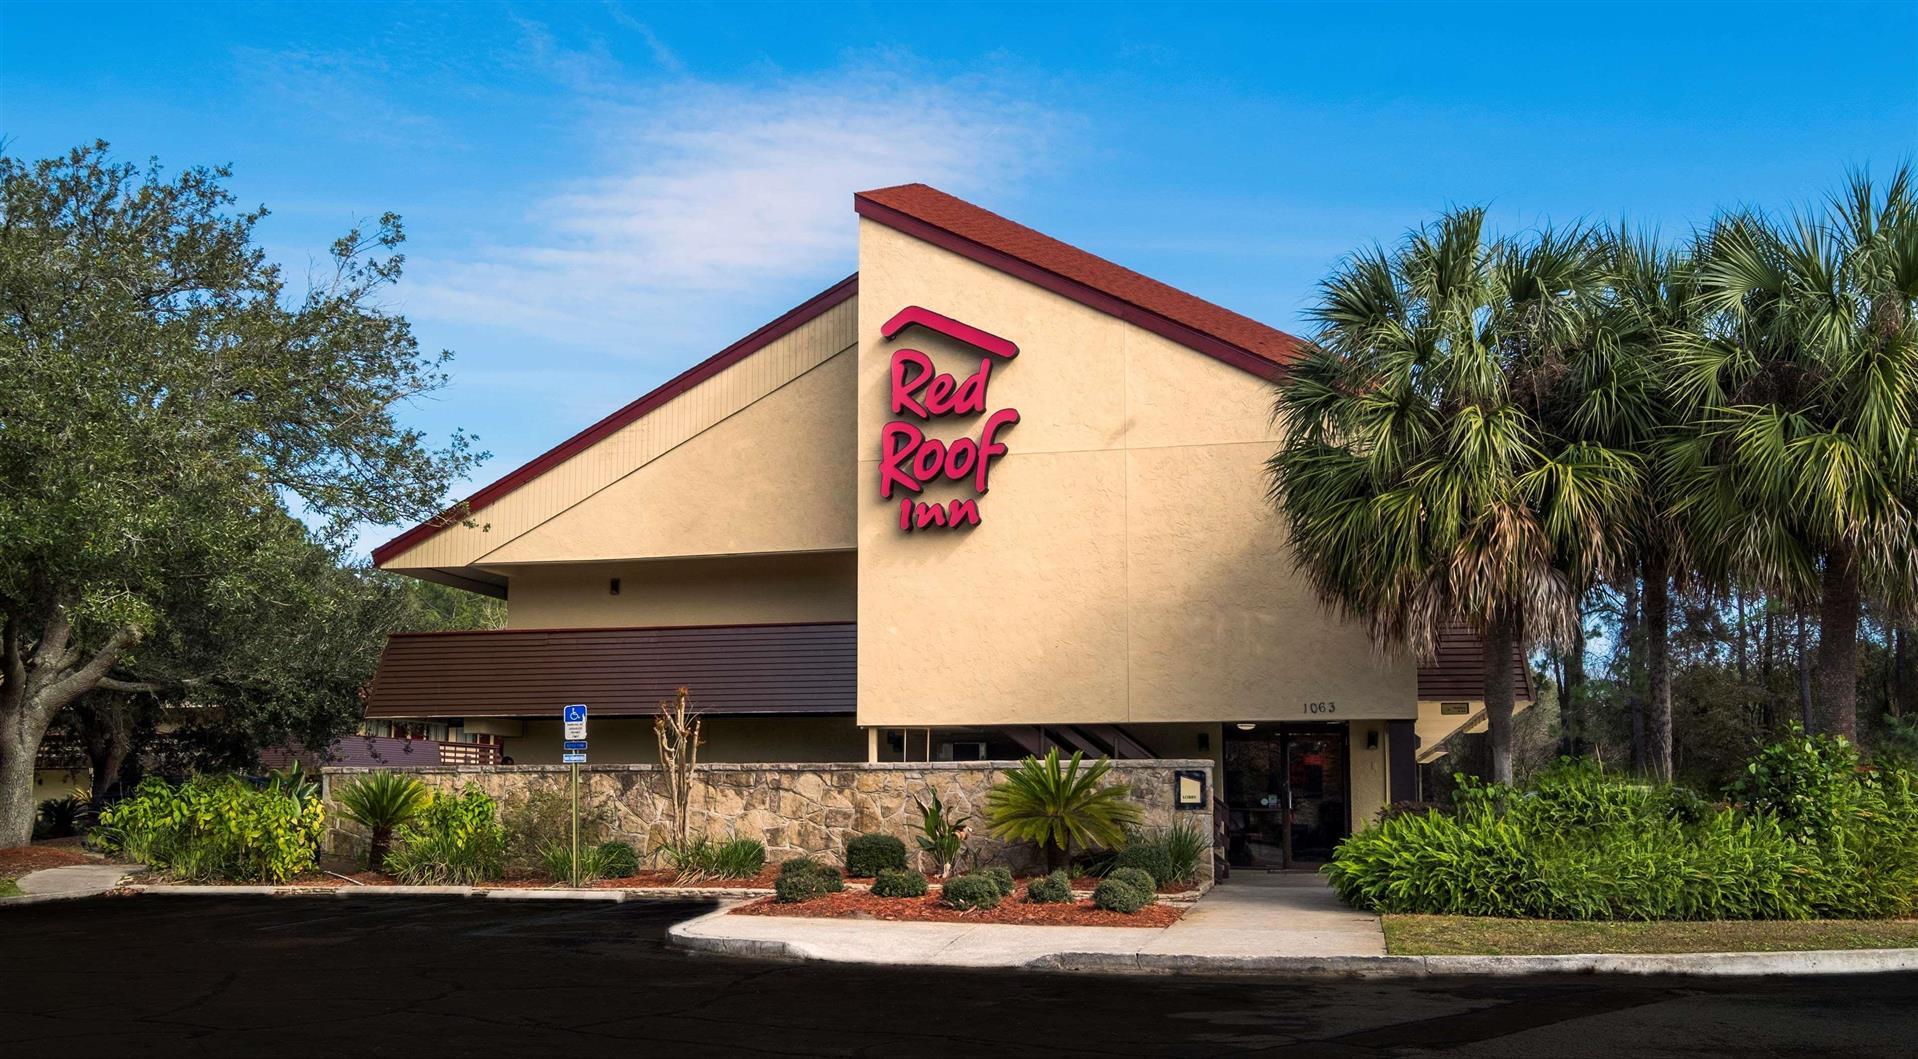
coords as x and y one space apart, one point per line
1285 792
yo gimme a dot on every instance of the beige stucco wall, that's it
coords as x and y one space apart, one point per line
1369 772
773 588
783 459
1127 567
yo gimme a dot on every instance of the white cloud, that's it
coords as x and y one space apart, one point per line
705 196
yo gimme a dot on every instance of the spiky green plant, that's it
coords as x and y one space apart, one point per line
1059 805
381 802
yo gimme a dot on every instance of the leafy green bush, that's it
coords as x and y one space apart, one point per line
215 828
1001 877
868 855
618 860
1117 895
380 802
1813 838
803 878
702 858
1172 857
971 891
541 816
899 882
1137 879
456 840
1050 890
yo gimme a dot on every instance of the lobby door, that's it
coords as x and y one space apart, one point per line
1285 794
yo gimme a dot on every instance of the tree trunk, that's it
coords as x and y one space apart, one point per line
1838 644
1500 642
1573 709
1904 669
1805 716
1634 662
17 804
35 685
1658 667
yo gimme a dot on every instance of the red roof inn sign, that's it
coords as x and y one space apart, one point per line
908 459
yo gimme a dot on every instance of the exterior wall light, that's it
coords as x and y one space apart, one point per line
1372 739
1245 726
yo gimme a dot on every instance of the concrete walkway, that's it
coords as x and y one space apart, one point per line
1255 916
76 880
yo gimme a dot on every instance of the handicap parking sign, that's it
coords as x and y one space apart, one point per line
575 718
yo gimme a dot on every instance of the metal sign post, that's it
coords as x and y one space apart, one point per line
574 720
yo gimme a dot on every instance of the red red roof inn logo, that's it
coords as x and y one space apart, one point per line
908 459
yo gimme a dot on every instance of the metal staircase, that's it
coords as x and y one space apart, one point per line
1094 740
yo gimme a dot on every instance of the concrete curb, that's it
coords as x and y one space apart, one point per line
483 892
1712 964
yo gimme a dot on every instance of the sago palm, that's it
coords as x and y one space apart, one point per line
1417 489
381 802
1805 382
1059 805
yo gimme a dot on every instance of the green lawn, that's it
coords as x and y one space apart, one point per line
1473 936
8 889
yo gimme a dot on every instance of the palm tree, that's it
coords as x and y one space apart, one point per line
1805 384
1616 392
382 802
1417 488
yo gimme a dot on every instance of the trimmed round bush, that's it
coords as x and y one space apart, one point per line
899 882
803 878
1150 856
1115 895
1052 890
868 855
617 860
971 891
1138 880
1000 876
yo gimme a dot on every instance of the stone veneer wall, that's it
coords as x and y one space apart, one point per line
793 809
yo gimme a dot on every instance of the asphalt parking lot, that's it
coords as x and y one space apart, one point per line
286 977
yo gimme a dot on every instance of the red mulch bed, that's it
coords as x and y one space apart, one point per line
652 879
855 905
20 860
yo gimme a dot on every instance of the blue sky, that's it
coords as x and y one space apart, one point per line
598 195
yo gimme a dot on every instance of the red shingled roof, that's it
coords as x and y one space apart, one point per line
957 225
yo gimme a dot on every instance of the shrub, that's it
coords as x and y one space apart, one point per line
456 840
1116 895
1050 890
942 835
899 882
868 855
215 829
1145 853
1814 838
1060 806
702 858
592 863
971 891
1138 880
541 816
803 878
618 860
381 801
1001 877
60 817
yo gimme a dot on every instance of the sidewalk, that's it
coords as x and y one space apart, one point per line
1253 916
77 880
1272 925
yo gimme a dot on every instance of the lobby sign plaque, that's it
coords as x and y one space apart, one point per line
908 459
